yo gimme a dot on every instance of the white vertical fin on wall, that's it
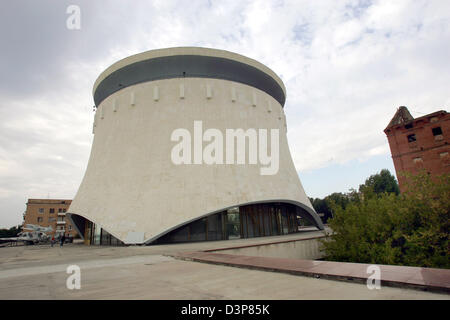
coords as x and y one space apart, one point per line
182 91
132 98
95 117
233 94
208 91
94 124
254 99
114 104
155 93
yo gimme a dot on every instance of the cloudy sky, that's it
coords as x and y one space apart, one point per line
347 66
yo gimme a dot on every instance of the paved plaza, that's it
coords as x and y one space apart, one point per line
149 272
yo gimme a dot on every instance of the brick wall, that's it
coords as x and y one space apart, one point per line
49 212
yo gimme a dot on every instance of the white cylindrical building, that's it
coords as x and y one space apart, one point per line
163 167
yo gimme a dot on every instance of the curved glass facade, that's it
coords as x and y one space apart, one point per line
95 235
254 220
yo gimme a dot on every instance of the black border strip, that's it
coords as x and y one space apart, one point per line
278 309
188 66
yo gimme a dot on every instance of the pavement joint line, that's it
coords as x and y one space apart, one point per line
92 264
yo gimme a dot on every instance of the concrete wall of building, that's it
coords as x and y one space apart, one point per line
131 184
309 249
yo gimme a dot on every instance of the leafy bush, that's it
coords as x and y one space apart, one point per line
378 183
384 228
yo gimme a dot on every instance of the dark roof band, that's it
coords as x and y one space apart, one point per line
188 66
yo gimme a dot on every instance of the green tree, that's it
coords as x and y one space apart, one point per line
11 232
338 198
325 205
321 206
375 185
407 229
380 183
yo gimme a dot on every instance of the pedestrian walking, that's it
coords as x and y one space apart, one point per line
63 238
53 240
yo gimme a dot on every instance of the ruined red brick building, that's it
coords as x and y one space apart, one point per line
419 143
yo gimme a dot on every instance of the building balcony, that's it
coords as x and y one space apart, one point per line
60 222
62 214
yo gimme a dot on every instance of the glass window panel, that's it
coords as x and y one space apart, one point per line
256 224
233 223
296 220
274 221
244 226
293 223
198 230
115 241
106 238
250 231
252 227
288 218
284 222
215 227
279 221
260 217
266 219
97 234
179 235
91 233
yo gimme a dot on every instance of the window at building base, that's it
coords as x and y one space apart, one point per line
248 221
